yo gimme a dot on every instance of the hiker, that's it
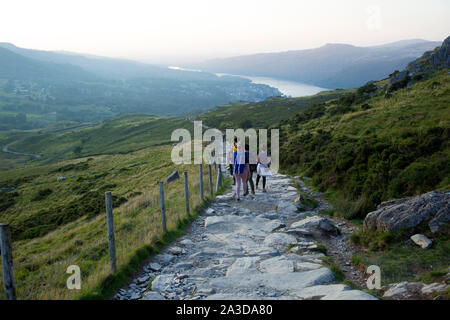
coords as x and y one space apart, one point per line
263 170
251 161
240 170
231 159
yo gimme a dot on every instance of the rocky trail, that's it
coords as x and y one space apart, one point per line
258 248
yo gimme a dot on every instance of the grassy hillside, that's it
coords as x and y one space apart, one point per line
119 135
368 147
263 114
60 223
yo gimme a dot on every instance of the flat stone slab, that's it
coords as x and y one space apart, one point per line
306 266
280 240
243 265
161 282
309 222
282 281
277 265
164 258
350 295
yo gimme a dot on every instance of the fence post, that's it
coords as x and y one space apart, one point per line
201 181
186 191
163 206
219 178
111 238
7 261
210 181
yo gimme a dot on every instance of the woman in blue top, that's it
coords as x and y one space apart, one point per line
240 169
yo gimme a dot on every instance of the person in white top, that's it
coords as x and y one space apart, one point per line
264 162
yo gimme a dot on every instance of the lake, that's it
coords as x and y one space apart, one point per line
286 87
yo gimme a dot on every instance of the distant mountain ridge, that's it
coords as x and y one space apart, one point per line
104 66
330 66
17 67
39 88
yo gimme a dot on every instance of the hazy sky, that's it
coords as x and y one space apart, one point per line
167 30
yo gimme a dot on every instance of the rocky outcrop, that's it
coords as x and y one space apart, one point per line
414 290
432 60
432 207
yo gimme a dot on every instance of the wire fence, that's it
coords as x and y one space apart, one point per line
42 273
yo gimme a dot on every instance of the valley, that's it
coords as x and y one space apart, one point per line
353 148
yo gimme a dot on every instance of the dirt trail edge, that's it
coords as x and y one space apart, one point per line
258 248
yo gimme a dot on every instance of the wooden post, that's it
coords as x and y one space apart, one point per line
7 261
186 191
218 179
201 181
210 181
111 238
163 206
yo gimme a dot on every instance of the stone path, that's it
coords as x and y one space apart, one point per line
258 248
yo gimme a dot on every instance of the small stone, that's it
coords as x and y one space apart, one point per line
143 279
403 288
152 295
434 287
175 250
135 295
186 242
154 266
279 240
207 291
162 282
164 258
421 241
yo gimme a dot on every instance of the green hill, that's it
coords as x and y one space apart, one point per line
369 146
17 67
265 113
119 135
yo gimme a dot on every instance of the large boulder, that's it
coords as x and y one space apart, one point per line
432 207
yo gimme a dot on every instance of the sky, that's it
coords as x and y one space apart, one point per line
170 31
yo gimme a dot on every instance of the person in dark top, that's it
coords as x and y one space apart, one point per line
250 160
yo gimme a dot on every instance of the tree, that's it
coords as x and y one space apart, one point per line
77 150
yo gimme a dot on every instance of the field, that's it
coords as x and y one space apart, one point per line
263 114
60 223
119 135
